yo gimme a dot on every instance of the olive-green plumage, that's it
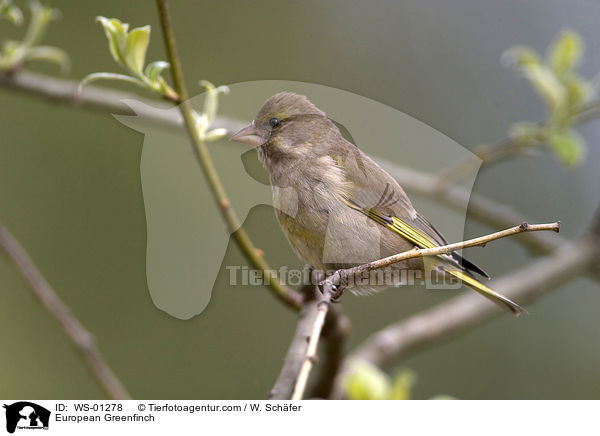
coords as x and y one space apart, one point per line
336 206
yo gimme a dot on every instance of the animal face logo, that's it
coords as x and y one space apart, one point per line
26 415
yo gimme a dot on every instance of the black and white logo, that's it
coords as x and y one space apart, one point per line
26 415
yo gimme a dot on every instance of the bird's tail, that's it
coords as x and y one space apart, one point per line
500 300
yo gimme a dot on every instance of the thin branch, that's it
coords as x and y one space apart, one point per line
282 390
488 154
451 318
100 99
303 347
483 209
301 357
310 357
340 277
286 295
79 336
448 319
482 154
335 333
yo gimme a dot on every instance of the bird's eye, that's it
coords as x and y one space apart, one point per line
274 122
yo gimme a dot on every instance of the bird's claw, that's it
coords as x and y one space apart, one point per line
337 292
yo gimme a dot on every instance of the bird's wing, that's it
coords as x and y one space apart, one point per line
373 192
377 194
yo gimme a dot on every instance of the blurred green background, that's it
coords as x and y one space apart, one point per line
70 191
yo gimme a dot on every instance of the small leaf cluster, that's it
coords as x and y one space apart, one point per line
205 119
11 12
128 49
14 54
367 382
564 92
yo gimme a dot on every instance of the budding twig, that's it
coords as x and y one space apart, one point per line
241 238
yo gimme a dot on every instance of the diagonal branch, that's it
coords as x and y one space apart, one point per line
310 357
449 319
341 277
99 99
335 333
511 145
77 333
282 390
479 207
243 241
315 316
301 358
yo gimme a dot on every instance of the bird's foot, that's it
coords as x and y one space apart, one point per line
336 293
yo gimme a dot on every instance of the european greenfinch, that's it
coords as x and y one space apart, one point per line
338 208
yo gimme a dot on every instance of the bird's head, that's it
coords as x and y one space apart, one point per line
287 127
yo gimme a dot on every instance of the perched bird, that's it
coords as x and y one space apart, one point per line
337 207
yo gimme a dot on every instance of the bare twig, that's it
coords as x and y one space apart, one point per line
448 319
282 390
482 154
488 154
336 329
303 356
302 353
483 209
81 338
100 99
310 357
451 318
286 295
341 276
335 332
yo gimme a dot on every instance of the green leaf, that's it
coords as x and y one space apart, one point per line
108 76
213 135
211 100
135 48
116 33
154 70
11 55
547 85
9 47
50 54
41 16
11 12
567 146
165 90
520 56
366 382
443 397
403 383
578 90
564 54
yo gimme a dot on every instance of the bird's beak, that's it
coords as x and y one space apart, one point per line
248 135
